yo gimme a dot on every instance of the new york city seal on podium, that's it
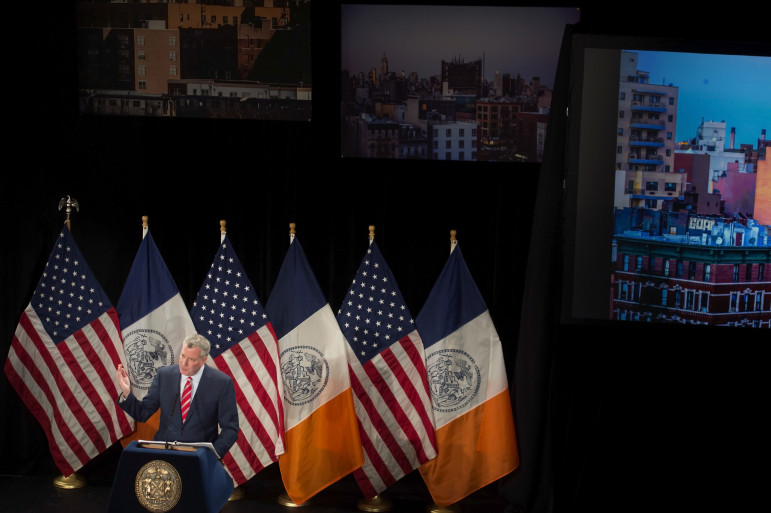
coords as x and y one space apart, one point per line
158 486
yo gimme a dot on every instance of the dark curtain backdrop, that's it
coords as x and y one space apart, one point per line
607 417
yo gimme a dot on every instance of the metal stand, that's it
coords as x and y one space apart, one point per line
70 482
238 494
284 500
375 504
452 508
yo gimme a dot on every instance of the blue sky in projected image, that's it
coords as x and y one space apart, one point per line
514 40
713 87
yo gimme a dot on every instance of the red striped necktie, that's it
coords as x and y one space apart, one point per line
186 395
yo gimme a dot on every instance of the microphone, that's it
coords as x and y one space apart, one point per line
171 415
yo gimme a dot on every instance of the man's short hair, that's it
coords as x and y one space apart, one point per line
199 341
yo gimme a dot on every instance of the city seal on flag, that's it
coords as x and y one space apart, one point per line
454 379
146 351
305 373
158 486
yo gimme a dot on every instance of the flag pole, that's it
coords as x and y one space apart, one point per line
74 480
377 503
433 507
238 492
284 498
70 203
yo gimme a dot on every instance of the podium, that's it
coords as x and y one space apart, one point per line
180 478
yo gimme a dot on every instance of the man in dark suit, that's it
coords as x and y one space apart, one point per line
208 405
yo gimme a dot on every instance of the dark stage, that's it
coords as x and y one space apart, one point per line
33 494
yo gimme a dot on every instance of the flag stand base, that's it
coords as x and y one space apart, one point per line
238 494
452 508
70 482
284 500
376 503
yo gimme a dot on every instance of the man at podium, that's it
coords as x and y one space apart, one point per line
197 401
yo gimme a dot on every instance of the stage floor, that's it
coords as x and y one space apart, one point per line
261 494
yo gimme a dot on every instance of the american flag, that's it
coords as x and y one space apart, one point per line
228 312
63 359
388 376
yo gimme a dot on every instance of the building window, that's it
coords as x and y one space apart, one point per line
679 268
461 132
733 302
225 20
671 101
448 132
748 272
638 264
172 56
651 186
691 270
652 204
142 84
142 70
736 273
141 55
666 267
664 297
706 272
625 266
620 131
172 41
670 187
621 114
622 96
704 301
761 271
172 71
669 136
758 301
689 296
448 144
140 40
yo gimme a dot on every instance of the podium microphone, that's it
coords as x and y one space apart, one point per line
171 415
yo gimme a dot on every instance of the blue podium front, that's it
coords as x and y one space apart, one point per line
152 478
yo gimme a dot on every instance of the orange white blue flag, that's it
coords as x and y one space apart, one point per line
476 443
322 436
154 321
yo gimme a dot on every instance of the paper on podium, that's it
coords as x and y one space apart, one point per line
177 446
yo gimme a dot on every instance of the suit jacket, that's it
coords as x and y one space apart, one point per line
213 413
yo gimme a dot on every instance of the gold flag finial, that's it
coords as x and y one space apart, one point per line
223 230
453 240
291 232
70 203
145 226
371 233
